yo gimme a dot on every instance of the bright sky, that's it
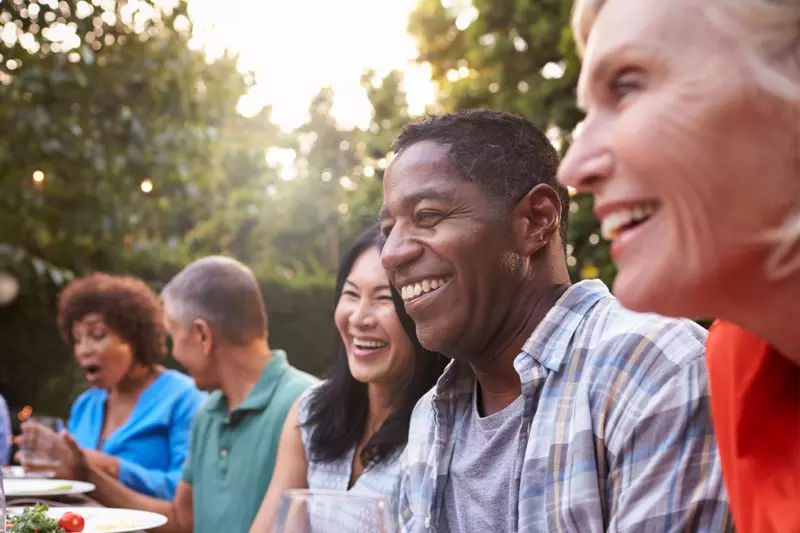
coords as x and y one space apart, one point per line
296 47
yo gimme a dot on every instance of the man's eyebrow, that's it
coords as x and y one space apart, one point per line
411 200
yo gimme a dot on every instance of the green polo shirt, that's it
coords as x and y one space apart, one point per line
232 455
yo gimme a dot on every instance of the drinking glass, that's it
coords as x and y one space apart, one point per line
322 511
40 444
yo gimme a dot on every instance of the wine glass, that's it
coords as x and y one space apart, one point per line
323 511
40 442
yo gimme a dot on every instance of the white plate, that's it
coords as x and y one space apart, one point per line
45 487
12 472
104 520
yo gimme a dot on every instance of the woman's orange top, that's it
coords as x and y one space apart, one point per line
755 402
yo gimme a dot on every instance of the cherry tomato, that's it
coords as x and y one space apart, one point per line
71 523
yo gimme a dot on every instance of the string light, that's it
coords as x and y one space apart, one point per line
147 186
38 176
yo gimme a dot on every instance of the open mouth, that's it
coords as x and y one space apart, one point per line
626 219
91 371
414 291
365 347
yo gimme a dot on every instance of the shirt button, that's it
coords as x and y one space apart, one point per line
223 452
427 521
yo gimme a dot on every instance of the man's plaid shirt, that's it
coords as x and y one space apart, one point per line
616 432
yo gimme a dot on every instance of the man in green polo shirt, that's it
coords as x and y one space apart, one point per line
214 313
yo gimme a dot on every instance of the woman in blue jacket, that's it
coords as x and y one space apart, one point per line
134 422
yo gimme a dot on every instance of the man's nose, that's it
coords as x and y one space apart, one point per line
399 250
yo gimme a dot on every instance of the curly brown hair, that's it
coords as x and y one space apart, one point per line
128 306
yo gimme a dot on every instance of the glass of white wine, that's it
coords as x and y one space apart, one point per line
40 444
322 511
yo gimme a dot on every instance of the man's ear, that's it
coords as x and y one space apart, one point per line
204 333
537 219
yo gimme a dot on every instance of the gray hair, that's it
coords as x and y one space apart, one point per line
221 291
769 31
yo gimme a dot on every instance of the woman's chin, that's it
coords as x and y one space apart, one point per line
657 291
368 376
644 292
96 381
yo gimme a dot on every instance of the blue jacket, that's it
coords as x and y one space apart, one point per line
153 443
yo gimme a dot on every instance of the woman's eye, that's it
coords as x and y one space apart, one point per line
626 83
350 294
98 336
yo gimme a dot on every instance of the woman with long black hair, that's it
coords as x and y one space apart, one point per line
348 432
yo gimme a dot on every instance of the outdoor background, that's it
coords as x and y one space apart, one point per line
136 136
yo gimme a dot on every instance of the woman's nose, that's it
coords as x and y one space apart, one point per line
363 316
82 349
587 164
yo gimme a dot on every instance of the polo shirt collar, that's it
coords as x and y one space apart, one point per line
264 389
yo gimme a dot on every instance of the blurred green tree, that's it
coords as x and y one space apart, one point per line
389 104
121 144
326 160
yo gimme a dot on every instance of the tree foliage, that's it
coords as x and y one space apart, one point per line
516 56
122 151
99 103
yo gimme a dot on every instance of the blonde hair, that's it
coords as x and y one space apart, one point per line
584 13
769 31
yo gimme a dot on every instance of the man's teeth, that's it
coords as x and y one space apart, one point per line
415 289
614 224
370 345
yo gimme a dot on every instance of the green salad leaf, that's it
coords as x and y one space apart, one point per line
34 520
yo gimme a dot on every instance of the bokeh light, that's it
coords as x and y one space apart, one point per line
25 413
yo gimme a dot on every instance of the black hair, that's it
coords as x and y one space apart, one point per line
505 154
338 409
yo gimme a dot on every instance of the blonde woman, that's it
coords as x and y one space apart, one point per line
691 147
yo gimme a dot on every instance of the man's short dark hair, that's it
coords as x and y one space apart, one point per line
505 154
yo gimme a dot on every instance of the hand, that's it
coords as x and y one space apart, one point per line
74 464
62 450
37 446
102 461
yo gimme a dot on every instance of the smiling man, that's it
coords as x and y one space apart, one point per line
561 411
